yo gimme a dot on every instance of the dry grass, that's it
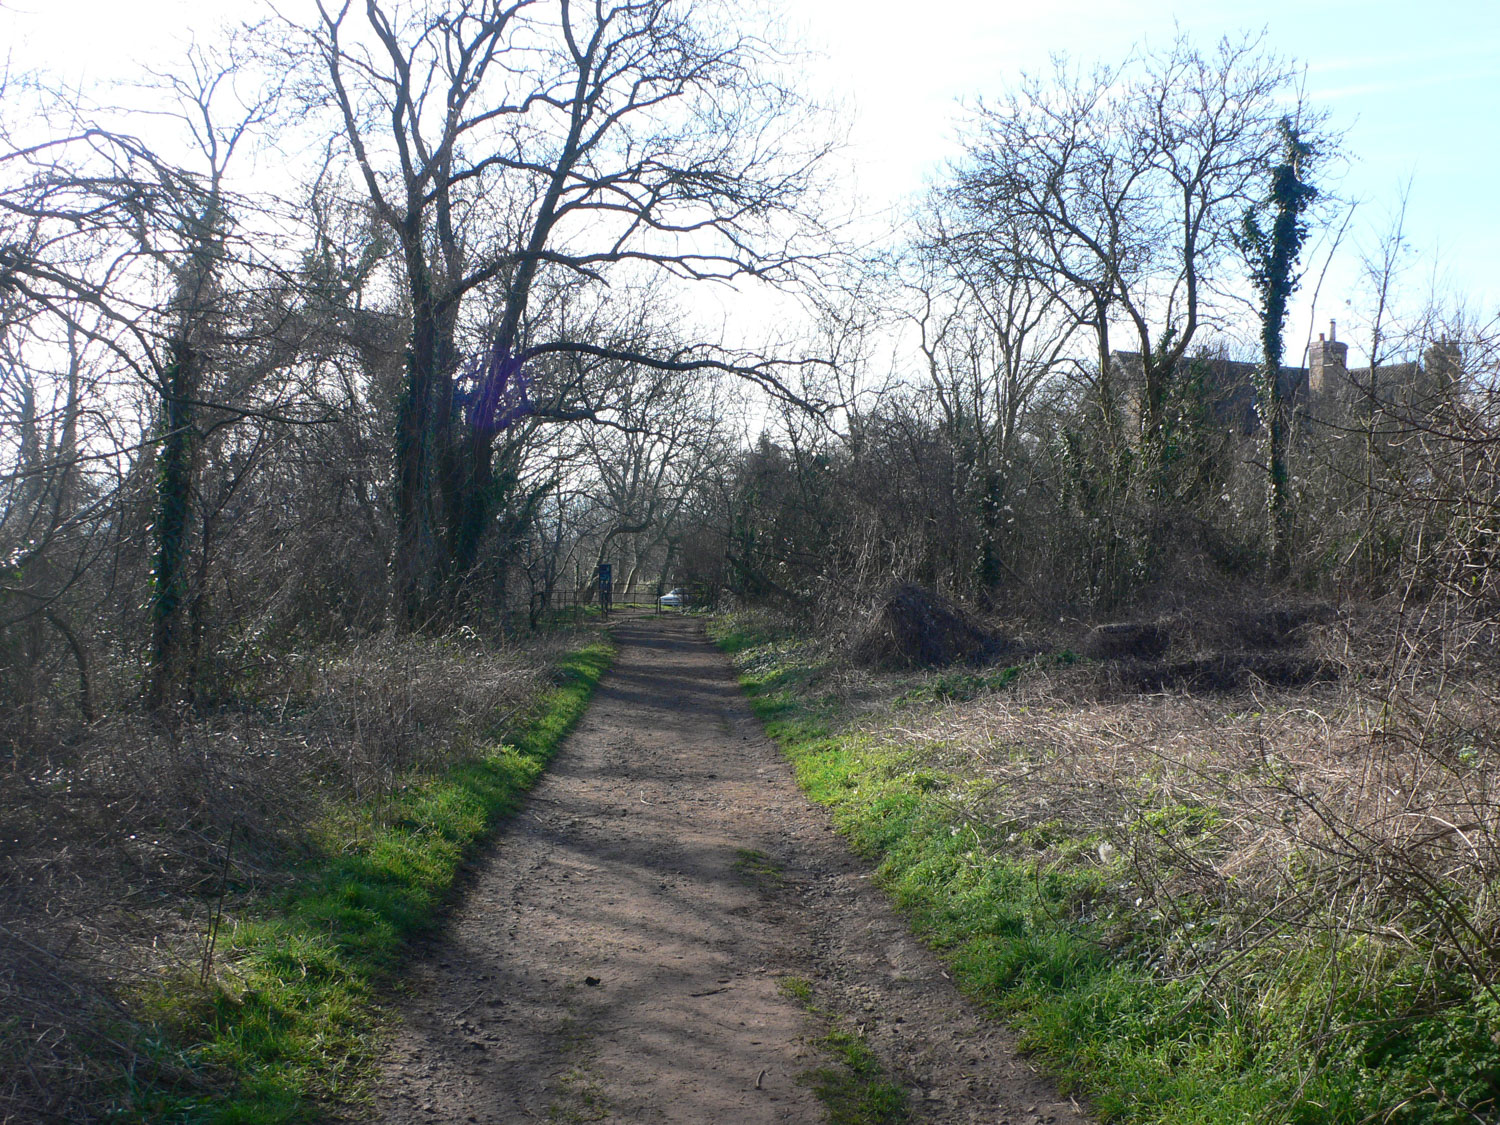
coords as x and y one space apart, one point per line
1266 818
120 848
1362 807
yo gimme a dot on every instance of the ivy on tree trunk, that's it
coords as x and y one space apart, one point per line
174 499
1272 255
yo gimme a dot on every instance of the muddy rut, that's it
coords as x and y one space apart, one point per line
619 951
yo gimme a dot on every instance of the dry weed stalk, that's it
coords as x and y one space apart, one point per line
117 867
1266 820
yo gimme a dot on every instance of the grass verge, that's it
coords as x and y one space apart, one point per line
1157 1019
291 1018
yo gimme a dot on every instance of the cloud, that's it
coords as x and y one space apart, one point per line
1406 60
1403 83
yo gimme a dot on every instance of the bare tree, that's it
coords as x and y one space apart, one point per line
145 262
1131 182
991 336
195 246
75 204
1381 266
503 141
667 436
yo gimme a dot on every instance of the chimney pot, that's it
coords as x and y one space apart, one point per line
1328 364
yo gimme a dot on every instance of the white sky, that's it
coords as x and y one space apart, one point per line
1415 84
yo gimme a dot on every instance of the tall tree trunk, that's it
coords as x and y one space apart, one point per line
411 451
1276 418
1273 258
181 387
424 433
174 487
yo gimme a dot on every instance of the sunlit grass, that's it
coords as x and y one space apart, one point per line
1144 1015
293 1017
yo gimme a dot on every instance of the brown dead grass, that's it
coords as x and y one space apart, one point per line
1368 809
118 845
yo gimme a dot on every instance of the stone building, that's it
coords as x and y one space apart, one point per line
1327 389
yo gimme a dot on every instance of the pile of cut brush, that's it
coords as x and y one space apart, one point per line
914 627
1215 649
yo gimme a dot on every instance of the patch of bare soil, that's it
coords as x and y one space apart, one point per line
618 953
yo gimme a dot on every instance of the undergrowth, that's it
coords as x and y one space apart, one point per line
288 1017
1102 916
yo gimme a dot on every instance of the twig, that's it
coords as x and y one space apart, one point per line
205 970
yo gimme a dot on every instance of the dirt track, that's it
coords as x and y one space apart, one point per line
618 953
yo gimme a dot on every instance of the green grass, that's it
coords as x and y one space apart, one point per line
757 867
295 1021
1295 1031
798 988
855 1089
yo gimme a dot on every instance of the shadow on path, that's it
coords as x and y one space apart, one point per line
617 959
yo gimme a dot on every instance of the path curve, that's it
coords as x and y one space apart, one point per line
618 952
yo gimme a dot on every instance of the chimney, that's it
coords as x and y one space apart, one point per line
1328 364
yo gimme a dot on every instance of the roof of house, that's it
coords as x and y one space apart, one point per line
1229 385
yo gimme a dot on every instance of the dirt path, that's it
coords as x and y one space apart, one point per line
618 955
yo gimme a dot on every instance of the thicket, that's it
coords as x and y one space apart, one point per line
1387 500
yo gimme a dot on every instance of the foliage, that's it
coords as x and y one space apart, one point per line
1273 255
